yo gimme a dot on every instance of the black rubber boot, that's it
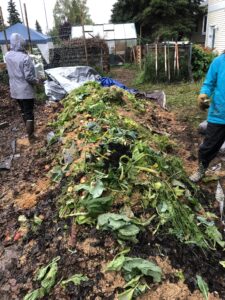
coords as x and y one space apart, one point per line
30 130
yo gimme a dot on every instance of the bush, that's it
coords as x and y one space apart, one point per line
201 60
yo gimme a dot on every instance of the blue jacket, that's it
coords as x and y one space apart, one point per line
214 85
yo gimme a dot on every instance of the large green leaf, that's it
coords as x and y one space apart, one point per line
120 224
133 267
97 206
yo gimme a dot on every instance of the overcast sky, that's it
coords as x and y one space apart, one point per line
100 11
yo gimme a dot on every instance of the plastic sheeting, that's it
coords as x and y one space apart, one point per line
70 78
54 91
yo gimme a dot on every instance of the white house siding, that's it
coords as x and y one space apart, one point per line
216 22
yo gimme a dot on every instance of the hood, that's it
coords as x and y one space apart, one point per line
17 42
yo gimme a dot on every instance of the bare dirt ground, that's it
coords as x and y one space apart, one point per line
25 190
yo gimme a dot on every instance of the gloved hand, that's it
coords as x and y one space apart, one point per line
203 101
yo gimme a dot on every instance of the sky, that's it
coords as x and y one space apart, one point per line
99 10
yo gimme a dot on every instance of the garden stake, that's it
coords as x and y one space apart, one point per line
156 60
165 59
175 59
169 61
178 63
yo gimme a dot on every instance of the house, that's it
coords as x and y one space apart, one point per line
117 36
215 33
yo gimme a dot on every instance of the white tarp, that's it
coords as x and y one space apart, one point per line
44 48
70 78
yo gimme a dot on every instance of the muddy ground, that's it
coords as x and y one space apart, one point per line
25 190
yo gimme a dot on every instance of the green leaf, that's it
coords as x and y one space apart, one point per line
36 294
203 287
95 188
222 262
126 295
49 281
75 279
133 282
120 224
97 206
56 174
137 266
42 272
116 264
129 230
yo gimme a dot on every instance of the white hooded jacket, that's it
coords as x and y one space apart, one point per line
20 69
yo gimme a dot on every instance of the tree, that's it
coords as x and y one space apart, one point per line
64 30
38 26
72 11
14 16
159 19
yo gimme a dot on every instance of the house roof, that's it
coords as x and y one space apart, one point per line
36 37
107 32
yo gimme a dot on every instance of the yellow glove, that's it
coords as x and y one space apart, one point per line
203 101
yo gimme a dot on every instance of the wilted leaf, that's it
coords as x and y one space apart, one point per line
203 287
36 294
49 280
126 295
42 272
75 279
133 282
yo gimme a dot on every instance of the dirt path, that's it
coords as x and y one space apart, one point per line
32 233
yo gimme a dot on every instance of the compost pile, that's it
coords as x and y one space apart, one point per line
120 201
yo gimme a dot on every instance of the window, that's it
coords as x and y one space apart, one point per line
204 24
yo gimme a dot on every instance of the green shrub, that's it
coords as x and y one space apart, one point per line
201 59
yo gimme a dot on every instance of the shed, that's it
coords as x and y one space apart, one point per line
43 42
117 36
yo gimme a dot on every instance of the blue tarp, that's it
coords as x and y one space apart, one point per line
36 37
106 81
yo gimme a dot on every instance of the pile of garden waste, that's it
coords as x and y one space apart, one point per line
115 175
119 208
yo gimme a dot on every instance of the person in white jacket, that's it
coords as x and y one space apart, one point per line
22 79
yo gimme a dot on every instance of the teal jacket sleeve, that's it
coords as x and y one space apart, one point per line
211 79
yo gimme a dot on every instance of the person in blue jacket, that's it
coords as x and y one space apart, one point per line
214 88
